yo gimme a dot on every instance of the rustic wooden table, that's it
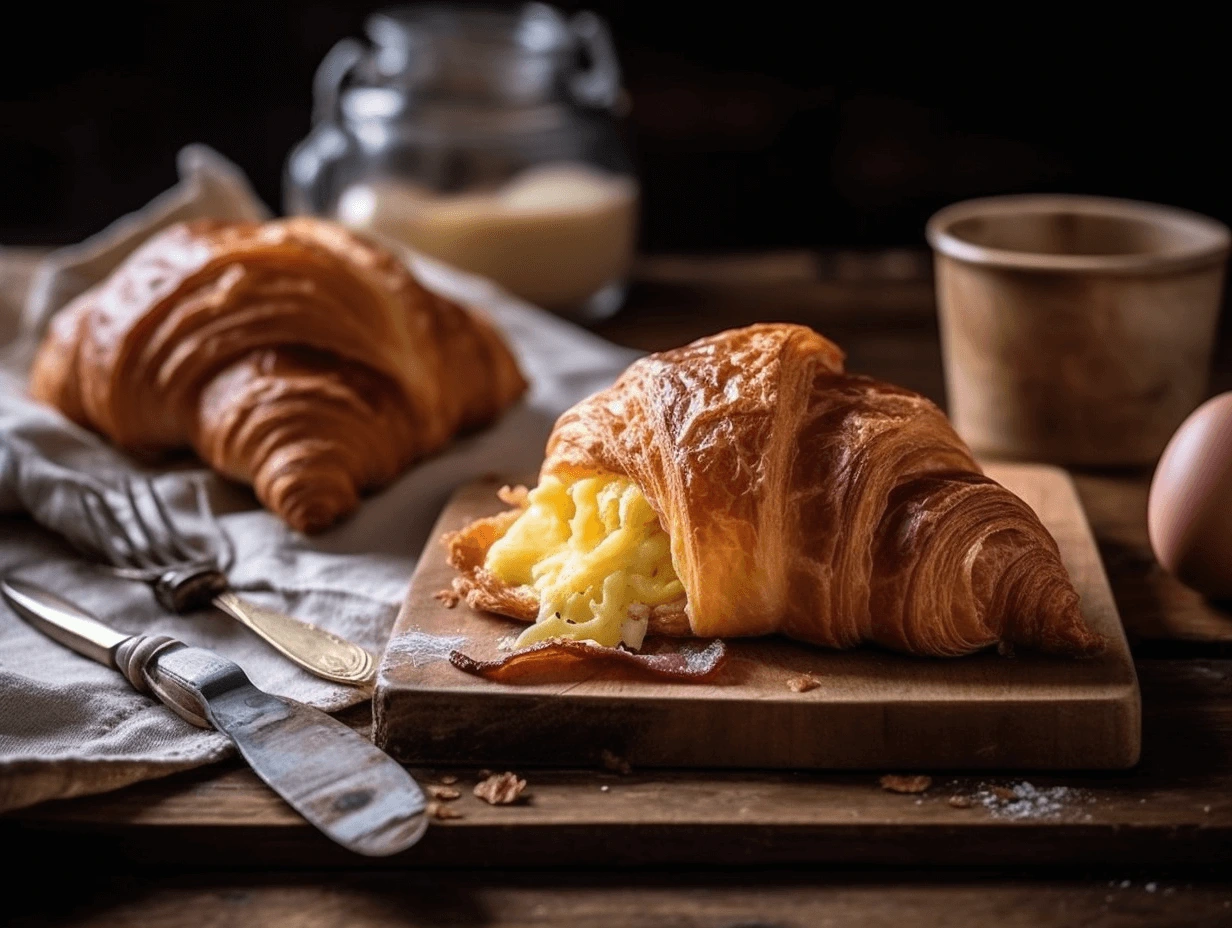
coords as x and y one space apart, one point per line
1145 847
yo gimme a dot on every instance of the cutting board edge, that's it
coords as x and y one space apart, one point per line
1113 740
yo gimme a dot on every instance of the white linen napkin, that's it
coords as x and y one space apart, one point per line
69 726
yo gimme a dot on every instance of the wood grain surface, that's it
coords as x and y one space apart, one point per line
585 899
870 709
1173 811
215 847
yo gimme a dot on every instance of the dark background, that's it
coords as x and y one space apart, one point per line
753 126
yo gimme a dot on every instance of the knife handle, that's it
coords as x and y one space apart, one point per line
142 660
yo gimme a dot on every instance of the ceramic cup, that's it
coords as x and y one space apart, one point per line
1076 330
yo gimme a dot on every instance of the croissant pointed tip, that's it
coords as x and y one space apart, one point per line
309 497
1076 639
310 522
1052 630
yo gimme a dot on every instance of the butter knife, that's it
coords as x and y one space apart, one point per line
345 786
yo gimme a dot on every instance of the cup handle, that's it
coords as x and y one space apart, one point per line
598 85
331 72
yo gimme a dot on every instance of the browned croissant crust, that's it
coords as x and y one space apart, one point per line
292 355
831 508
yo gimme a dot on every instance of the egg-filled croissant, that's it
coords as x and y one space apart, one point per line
291 355
745 485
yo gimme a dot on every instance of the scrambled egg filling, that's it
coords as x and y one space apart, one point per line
594 551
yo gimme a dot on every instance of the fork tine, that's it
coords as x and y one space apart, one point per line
100 538
164 546
108 542
226 557
178 541
157 550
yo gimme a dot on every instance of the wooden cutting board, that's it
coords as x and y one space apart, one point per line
873 709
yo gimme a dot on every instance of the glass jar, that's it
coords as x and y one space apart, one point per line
483 138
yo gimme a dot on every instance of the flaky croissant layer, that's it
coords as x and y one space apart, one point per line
292 355
801 500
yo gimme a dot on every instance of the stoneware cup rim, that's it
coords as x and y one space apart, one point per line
1190 239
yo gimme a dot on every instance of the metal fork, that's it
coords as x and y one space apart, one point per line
145 544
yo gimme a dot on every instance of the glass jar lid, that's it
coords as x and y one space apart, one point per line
529 55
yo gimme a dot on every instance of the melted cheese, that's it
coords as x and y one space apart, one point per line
595 553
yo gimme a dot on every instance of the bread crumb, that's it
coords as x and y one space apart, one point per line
444 793
615 763
448 597
449 779
960 802
895 783
440 811
500 789
604 788
803 683
1004 793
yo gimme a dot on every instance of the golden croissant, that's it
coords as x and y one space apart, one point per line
291 355
746 485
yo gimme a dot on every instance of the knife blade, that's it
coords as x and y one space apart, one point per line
341 783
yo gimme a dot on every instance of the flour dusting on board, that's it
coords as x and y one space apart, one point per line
1025 801
700 658
424 649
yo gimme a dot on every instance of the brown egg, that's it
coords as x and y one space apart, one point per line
1190 511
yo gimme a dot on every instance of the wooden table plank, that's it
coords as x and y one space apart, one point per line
1175 808
648 900
1171 815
